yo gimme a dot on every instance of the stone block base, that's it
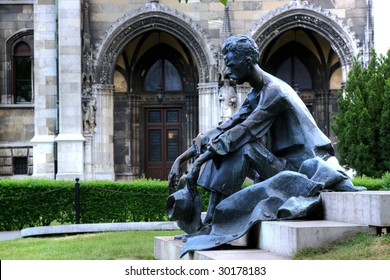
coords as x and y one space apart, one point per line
346 213
166 248
367 207
287 238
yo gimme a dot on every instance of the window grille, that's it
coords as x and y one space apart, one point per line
20 165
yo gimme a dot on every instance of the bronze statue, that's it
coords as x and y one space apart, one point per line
272 135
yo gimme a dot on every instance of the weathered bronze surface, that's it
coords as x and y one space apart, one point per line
272 137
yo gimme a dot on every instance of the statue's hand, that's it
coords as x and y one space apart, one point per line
192 178
173 177
201 141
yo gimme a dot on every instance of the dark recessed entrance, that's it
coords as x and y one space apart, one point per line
163 140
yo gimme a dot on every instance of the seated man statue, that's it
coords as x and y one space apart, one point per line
271 132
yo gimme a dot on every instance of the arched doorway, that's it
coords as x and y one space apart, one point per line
155 100
132 45
306 61
312 50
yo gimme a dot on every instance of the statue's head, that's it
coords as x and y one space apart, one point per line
240 53
242 46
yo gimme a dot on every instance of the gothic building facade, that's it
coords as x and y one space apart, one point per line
118 89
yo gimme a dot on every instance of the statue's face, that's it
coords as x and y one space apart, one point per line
237 68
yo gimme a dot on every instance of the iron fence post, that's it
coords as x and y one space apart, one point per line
77 190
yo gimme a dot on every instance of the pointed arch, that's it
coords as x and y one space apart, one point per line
22 42
307 16
154 17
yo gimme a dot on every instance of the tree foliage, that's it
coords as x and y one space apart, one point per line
363 123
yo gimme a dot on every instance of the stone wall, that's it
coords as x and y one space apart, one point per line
16 120
16 131
17 124
209 14
16 161
41 123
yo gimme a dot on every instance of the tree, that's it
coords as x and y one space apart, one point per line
362 124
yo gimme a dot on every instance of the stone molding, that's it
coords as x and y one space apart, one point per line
69 138
37 139
102 89
307 15
208 88
154 16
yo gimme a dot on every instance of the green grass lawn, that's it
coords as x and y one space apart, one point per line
139 245
361 247
98 246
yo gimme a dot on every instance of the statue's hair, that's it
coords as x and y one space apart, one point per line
243 45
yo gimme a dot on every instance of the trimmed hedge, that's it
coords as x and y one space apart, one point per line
372 184
39 202
386 181
36 202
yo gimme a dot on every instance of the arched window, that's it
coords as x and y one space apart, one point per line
163 74
22 73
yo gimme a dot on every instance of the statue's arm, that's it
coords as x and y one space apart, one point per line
176 170
253 127
193 174
242 113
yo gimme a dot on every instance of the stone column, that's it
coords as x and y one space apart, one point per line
45 89
70 141
88 160
208 106
242 92
103 146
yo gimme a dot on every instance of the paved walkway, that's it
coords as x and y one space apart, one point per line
9 235
86 228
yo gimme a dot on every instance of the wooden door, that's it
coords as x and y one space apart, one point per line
163 141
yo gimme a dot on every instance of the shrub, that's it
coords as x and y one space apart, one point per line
372 184
386 181
362 124
36 202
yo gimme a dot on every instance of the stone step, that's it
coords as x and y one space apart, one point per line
366 207
272 240
287 238
346 213
166 248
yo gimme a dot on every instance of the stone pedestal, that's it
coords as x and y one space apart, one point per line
43 156
70 150
346 213
368 207
166 248
287 238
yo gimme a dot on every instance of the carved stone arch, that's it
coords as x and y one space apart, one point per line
305 15
154 17
23 35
